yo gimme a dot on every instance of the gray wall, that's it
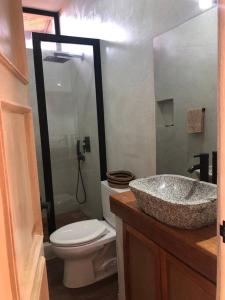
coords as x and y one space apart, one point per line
33 102
186 70
126 29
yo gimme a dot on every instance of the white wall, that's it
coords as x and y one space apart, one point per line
126 29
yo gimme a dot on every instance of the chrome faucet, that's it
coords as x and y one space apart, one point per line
203 166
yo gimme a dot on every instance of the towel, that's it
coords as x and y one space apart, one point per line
195 120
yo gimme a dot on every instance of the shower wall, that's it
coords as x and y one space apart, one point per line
63 130
71 110
84 90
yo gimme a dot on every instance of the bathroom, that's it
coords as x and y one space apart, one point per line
127 127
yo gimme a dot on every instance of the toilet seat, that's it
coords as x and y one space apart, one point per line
78 233
109 236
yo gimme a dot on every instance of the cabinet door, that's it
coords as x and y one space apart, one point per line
179 282
142 266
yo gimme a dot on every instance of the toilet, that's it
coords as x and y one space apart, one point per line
88 247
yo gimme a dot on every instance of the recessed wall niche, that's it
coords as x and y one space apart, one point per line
165 112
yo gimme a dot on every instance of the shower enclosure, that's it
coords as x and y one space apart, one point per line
72 160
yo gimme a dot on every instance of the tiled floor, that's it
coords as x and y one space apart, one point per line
104 290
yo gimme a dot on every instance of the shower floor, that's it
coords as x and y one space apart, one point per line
64 219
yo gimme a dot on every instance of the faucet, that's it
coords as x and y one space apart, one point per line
203 166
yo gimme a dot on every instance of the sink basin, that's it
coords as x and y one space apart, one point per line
177 200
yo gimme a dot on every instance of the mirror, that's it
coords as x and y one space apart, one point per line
185 70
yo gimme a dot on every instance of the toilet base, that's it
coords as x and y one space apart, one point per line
81 280
88 263
82 272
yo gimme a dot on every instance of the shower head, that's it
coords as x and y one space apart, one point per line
56 59
60 57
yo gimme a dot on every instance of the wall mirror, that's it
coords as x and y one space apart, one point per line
185 70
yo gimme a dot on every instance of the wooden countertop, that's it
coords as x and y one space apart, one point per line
197 248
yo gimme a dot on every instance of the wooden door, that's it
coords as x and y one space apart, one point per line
23 271
142 266
181 282
221 152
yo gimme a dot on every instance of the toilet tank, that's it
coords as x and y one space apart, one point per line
106 191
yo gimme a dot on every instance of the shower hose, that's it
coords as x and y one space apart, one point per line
80 178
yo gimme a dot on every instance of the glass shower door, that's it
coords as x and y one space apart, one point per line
73 130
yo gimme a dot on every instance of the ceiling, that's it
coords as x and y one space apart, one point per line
52 5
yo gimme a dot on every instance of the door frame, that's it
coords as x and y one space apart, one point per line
221 152
42 110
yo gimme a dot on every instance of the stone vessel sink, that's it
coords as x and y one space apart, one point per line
177 200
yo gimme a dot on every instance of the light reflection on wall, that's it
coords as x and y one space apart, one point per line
93 29
206 4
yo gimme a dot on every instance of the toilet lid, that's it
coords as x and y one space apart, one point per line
78 233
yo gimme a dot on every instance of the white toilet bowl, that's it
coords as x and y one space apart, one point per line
88 249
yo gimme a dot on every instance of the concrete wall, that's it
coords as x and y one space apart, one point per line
186 71
129 111
126 29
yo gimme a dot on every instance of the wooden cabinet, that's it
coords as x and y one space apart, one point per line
152 274
142 267
179 282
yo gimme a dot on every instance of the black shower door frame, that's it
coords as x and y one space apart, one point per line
42 110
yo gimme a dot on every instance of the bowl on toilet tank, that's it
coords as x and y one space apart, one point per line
106 192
